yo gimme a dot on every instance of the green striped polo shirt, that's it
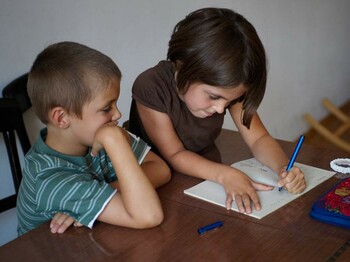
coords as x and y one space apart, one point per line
77 186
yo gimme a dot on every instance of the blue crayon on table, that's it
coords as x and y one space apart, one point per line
209 227
294 156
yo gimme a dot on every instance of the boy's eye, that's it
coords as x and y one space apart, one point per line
106 109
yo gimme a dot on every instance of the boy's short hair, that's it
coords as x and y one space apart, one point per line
68 74
219 47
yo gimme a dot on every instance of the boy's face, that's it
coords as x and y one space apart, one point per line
101 110
204 100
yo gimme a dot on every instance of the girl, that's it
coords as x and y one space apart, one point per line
216 63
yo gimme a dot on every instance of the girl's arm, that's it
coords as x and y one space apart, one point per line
266 149
238 186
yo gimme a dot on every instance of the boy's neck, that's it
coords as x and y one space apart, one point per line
58 140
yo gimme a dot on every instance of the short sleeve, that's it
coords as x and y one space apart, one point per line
139 147
80 196
156 87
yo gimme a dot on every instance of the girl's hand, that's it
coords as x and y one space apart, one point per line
293 180
61 222
241 189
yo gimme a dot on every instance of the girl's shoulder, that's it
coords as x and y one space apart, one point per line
162 72
158 81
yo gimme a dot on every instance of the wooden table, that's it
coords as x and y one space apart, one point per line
287 234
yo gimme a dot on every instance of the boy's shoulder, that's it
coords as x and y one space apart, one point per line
41 158
39 148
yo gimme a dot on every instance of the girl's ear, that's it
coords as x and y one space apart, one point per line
59 117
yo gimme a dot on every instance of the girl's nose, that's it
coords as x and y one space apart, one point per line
219 108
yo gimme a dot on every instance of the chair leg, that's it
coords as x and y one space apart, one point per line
327 134
10 142
8 203
336 111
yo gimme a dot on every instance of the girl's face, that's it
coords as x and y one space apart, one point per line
101 110
205 100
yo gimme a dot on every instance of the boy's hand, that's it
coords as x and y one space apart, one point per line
293 180
104 134
61 222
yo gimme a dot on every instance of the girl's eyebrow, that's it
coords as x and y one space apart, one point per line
216 95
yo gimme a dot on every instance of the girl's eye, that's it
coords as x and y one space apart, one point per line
211 97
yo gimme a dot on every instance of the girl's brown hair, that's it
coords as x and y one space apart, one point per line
219 47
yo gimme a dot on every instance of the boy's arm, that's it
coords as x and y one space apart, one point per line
153 166
137 205
156 169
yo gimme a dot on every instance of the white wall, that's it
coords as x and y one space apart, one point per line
307 44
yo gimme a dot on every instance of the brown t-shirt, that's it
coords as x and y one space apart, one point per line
156 88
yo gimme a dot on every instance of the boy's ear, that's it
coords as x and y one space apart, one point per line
59 117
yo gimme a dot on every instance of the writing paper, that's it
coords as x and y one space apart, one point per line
269 200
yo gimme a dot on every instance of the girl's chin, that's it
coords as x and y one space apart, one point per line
202 115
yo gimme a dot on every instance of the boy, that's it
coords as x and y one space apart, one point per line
83 167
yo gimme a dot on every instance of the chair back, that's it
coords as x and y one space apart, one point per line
339 136
18 89
11 120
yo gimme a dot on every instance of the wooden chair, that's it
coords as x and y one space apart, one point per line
335 136
18 89
11 120
15 102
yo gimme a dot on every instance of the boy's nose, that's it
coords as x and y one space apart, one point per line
116 115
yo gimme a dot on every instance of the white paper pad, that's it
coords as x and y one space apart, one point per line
269 200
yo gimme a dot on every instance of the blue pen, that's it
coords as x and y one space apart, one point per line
207 228
294 156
